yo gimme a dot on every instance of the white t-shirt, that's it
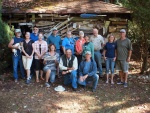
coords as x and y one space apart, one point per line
97 42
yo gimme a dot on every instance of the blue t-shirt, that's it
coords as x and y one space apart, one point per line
33 37
68 43
110 49
56 40
18 40
86 68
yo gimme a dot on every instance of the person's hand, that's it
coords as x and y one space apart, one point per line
44 62
84 77
105 58
56 62
39 56
72 68
114 58
64 72
128 59
81 78
30 57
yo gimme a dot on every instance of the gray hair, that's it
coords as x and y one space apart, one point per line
81 33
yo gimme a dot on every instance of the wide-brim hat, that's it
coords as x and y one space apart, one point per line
59 88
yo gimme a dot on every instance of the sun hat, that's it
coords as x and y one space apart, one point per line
59 88
54 29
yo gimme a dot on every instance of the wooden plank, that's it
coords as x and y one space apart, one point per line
120 23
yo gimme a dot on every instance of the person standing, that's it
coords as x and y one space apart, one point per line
124 51
34 35
88 46
69 65
87 71
40 48
51 65
17 58
68 42
109 54
27 55
79 46
55 39
98 42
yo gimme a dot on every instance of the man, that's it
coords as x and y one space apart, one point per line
17 58
69 65
55 39
68 42
87 71
34 35
98 42
124 51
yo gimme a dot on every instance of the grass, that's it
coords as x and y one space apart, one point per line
35 98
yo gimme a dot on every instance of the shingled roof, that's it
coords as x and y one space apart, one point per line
63 7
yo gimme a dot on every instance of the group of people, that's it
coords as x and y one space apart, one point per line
78 62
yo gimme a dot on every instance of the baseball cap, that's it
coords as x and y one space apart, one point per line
88 52
54 29
17 30
122 31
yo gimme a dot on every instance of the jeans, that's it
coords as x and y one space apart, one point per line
16 60
52 76
93 78
110 64
71 78
97 57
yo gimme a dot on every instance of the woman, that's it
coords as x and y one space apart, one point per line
79 46
88 46
27 54
40 50
110 57
51 61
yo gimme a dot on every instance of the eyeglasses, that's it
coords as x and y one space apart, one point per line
35 29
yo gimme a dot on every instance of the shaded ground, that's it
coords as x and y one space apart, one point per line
35 98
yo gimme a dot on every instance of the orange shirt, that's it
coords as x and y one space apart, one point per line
79 45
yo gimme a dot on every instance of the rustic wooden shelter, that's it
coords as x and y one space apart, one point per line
65 15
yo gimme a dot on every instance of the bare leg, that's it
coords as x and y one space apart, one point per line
107 77
48 75
126 76
41 75
37 76
121 75
112 78
28 73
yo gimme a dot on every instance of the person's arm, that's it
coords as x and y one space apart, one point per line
24 50
94 69
33 49
103 42
63 45
104 52
80 69
129 51
92 50
61 66
45 50
75 64
48 41
10 45
77 48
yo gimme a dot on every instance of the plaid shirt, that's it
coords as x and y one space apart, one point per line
44 48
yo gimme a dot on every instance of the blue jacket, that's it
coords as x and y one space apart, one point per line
92 71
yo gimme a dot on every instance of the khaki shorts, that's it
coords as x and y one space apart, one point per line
27 62
122 65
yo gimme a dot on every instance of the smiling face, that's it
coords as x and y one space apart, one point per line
68 53
88 57
40 37
27 35
35 30
55 32
18 34
122 34
86 39
111 38
95 32
69 35
52 48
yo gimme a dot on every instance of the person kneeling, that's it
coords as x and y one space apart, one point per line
69 65
87 71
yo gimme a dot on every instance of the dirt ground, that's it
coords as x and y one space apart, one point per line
35 98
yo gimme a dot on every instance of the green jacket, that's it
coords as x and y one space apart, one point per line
88 47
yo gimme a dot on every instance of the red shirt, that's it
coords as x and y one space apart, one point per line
79 45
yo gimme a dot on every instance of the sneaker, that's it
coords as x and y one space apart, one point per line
93 90
47 85
112 83
74 89
120 83
125 84
16 80
28 81
107 82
